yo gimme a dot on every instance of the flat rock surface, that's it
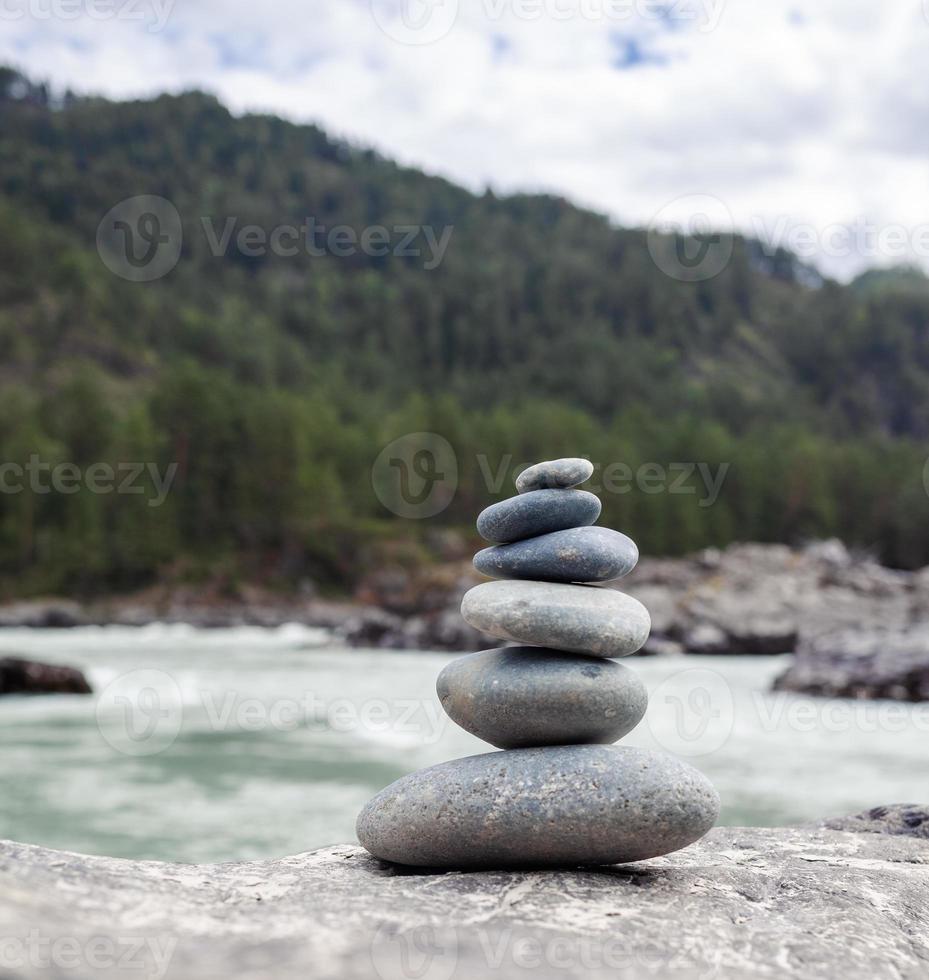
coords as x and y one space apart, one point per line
741 904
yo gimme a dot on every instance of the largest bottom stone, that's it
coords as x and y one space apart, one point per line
559 806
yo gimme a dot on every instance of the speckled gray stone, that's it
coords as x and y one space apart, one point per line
518 697
577 618
554 474
537 513
559 806
579 554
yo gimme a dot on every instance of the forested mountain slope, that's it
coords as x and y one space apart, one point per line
524 326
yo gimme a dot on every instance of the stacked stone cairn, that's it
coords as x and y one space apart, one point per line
559 794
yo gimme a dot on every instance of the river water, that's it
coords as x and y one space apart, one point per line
249 743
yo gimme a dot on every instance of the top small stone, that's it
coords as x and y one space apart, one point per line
556 474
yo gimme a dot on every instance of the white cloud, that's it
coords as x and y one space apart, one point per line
792 116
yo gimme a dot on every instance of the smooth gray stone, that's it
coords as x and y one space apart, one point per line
576 618
555 474
537 513
518 697
579 554
559 806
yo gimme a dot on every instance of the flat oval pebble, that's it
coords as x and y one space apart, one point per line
518 697
560 806
537 513
576 618
579 554
554 474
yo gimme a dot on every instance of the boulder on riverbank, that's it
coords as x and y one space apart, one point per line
863 663
18 676
741 903
762 599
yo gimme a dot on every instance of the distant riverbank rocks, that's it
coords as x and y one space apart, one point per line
837 610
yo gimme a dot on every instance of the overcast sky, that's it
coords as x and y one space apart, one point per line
793 121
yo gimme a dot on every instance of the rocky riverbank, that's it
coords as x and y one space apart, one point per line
859 629
748 598
742 903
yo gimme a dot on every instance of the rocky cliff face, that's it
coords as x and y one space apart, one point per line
740 904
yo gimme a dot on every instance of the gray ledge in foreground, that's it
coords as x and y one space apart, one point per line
741 903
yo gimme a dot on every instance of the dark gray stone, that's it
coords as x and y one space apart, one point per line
862 663
519 697
577 618
560 806
742 903
907 819
555 474
579 554
537 513
18 676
